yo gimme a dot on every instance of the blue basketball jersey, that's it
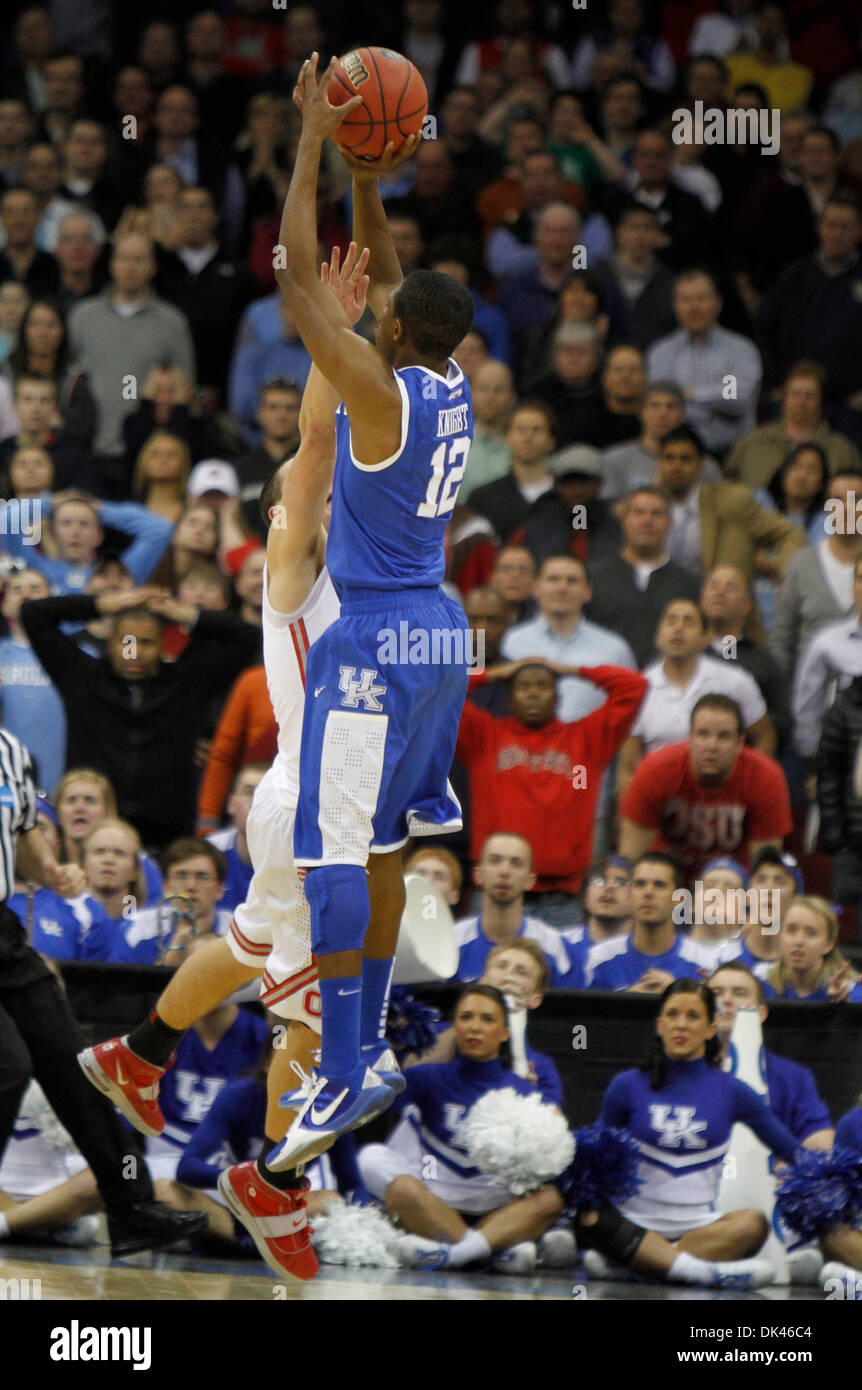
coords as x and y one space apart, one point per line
389 518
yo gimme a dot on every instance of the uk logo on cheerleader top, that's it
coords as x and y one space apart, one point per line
677 1126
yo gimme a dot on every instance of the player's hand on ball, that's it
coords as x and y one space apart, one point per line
319 117
367 170
348 282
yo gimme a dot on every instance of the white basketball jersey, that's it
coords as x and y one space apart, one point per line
286 640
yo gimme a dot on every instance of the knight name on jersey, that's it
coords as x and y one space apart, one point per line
454 420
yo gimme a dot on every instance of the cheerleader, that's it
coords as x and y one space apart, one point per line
810 965
680 1108
428 1182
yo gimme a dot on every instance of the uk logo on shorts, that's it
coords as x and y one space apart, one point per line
363 691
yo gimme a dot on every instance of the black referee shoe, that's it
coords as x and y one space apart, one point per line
151 1226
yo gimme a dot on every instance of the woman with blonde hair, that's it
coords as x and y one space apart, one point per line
161 474
83 799
811 966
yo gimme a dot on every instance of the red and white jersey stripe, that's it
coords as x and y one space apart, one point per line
286 640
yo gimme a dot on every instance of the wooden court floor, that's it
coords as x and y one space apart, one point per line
89 1275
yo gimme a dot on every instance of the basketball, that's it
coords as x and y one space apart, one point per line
394 100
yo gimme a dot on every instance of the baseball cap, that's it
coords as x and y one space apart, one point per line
770 855
619 861
725 862
576 458
213 475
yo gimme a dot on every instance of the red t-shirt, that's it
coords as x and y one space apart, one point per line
544 783
697 823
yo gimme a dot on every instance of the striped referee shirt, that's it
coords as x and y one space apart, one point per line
17 805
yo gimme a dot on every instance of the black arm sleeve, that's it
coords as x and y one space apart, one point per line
221 645
62 658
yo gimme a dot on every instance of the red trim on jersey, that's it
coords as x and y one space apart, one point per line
301 644
302 980
254 948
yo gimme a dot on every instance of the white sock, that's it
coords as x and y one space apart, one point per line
689 1269
4 1226
472 1246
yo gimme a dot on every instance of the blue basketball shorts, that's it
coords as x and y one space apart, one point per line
384 690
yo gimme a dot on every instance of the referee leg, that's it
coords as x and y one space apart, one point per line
36 1005
15 1071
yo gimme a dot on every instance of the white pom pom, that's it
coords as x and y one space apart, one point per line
355 1236
518 1139
34 1112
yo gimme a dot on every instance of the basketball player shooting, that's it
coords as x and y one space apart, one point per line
378 737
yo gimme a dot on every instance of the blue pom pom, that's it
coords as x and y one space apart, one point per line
821 1191
411 1026
603 1171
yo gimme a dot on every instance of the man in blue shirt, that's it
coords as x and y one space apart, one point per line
562 634
654 954
194 882
504 874
32 707
792 1089
259 361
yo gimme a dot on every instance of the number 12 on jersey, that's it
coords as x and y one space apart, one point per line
458 449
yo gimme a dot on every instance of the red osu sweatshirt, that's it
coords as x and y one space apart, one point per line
544 783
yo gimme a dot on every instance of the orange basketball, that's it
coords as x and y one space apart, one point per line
394 100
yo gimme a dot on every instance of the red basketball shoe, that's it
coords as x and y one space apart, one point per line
274 1219
130 1082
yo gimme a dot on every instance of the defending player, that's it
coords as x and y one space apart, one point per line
270 930
377 737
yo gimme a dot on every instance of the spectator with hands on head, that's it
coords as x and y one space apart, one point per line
131 714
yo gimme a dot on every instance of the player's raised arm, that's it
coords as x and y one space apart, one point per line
301 487
357 370
370 224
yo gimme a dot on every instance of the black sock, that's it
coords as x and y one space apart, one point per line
154 1041
291 1178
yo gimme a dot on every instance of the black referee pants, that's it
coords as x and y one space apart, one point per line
40 1038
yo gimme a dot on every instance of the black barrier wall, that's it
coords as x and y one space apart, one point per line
590 1035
